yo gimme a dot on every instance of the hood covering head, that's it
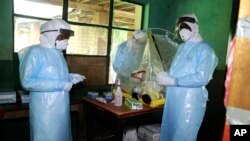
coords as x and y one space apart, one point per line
191 20
188 27
51 29
139 38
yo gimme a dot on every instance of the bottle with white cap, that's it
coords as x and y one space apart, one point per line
118 94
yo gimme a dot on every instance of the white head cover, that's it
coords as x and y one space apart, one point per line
139 34
194 26
139 37
48 39
187 35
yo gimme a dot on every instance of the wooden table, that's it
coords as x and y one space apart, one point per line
14 111
113 116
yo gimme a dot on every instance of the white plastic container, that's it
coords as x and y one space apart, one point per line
118 95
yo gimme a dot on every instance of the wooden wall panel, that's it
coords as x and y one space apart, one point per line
240 84
244 9
94 68
239 95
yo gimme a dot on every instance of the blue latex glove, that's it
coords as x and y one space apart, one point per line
76 78
67 87
163 78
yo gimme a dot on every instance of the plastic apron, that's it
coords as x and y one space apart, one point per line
44 72
184 110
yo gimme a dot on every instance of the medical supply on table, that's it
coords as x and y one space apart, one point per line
136 92
93 95
126 95
101 99
118 94
132 103
108 96
156 103
146 98
135 95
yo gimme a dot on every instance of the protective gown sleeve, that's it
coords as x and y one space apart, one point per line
205 63
30 65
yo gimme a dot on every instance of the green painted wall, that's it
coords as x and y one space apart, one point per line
214 20
6 36
145 16
7 75
157 14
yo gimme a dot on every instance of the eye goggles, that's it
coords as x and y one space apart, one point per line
63 31
183 25
186 19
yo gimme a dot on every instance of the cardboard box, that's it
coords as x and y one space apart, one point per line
149 132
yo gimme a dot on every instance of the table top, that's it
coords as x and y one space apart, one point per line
121 111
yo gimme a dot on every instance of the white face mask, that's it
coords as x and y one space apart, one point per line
62 45
185 34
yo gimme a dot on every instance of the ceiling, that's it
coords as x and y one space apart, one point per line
124 12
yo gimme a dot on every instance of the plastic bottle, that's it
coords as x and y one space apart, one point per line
118 95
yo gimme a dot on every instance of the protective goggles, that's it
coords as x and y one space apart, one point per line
63 31
183 26
186 19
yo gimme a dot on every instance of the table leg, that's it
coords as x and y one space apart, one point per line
78 108
119 130
80 122
89 123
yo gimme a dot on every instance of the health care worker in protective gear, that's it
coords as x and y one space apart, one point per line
190 72
44 72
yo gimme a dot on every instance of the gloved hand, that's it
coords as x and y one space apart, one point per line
76 78
67 87
163 78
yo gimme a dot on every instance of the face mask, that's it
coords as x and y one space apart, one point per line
185 34
62 45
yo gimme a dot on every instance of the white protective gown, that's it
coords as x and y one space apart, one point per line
184 110
44 72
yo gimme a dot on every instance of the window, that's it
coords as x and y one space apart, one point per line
99 25
29 15
88 40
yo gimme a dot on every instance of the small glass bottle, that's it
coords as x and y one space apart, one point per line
118 94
